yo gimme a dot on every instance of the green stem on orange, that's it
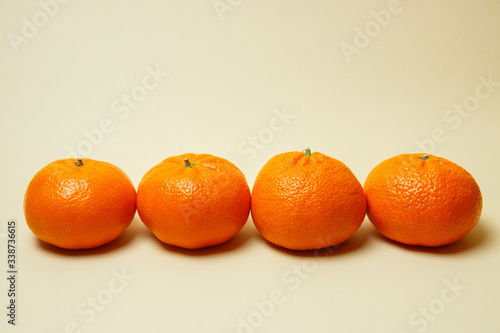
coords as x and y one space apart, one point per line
424 157
187 163
307 151
79 162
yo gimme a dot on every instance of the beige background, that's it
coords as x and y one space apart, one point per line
360 81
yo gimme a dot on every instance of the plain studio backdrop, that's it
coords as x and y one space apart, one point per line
134 82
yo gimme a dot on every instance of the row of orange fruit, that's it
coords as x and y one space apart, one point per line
300 201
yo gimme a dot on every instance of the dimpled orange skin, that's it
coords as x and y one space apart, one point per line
194 206
304 202
79 207
417 201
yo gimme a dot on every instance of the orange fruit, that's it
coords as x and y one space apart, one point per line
420 199
305 201
77 204
194 201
